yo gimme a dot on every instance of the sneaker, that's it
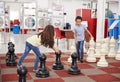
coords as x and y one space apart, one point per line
78 59
35 70
81 60
19 66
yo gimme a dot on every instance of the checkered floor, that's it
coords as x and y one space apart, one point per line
90 72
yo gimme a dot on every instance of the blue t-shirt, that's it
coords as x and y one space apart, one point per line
79 30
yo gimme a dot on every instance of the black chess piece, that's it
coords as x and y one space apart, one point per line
58 65
10 56
10 44
74 68
22 71
43 73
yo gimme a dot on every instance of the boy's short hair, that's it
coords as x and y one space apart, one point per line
78 17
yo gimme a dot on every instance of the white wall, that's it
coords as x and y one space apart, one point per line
70 7
113 6
14 10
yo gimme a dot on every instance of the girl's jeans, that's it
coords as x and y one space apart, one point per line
26 52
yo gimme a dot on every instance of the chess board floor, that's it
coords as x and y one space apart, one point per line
90 72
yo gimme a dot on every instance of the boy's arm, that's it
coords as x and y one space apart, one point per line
75 38
89 33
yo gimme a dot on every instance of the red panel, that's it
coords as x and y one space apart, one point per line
106 28
93 25
86 14
92 22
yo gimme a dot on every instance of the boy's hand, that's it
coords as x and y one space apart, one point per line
92 37
76 41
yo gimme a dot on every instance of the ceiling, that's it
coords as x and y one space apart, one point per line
53 0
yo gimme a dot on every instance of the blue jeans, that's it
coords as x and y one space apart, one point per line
26 52
80 49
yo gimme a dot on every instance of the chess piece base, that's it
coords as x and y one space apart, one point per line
111 54
102 64
117 57
97 55
73 71
11 63
42 74
91 59
58 66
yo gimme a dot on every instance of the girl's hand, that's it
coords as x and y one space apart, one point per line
58 52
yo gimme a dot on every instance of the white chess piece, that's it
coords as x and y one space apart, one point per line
91 45
91 57
112 48
97 49
72 48
107 45
86 47
117 57
102 62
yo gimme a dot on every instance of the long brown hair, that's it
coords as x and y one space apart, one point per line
47 36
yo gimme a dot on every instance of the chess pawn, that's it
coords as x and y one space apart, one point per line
11 58
97 49
112 48
102 62
22 71
72 49
74 68
92 44
58 65
43 73
106 45
107 41
117 57
91 57
86 47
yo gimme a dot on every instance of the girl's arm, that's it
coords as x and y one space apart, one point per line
56 50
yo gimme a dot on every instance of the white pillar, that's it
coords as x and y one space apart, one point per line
100 19
119 7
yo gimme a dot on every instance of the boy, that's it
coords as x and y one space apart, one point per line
79 31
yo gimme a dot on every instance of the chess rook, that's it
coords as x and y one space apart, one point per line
74 68
43 73
58 65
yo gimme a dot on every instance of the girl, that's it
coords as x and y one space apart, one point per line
45 38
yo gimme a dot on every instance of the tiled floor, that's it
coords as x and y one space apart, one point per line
90 72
